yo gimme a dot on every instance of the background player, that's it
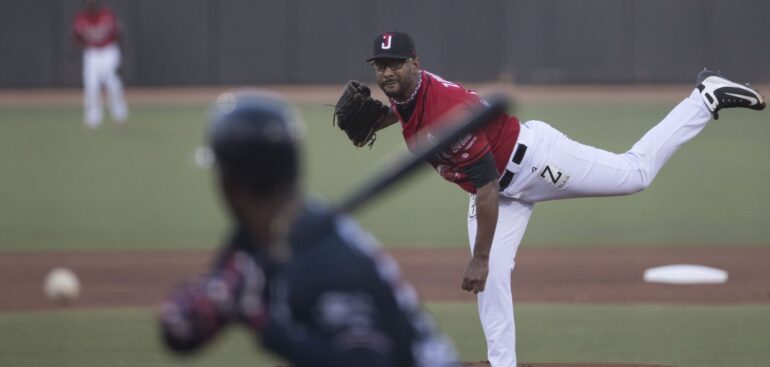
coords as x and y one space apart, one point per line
97 30
332 299
508 166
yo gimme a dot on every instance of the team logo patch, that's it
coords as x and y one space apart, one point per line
386 41
337 309
554 176
465 143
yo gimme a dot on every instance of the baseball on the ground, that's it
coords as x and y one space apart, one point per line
61 285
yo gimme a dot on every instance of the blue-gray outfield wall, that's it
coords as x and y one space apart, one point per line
195 42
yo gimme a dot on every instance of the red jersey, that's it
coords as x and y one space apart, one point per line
434 99
96 29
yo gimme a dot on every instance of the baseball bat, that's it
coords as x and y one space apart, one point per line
408 164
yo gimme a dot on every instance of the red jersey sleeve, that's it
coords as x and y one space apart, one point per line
117 28
75 30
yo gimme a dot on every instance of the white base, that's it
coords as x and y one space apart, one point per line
685 274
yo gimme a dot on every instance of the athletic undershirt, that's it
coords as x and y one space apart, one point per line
482 171
407 109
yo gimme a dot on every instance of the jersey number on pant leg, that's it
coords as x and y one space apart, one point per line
554 176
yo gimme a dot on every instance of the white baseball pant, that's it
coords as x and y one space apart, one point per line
555 167
100 66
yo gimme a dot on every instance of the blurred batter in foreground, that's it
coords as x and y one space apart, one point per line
319 292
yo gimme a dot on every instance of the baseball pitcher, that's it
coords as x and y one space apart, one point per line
509 165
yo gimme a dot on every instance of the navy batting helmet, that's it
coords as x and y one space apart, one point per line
255 137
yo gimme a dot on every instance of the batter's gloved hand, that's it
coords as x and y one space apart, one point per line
358 114
192 317
197 311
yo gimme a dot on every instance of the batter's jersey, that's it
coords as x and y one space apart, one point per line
434 100
341 302
96 29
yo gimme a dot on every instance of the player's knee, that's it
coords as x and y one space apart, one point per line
640 175
640 184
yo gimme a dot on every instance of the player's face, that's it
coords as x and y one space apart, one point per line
397 78
266 217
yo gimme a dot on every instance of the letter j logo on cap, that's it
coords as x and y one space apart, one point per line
385 45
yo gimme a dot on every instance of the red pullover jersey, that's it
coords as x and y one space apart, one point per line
96 29
435 98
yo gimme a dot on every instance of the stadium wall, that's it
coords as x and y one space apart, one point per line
204 42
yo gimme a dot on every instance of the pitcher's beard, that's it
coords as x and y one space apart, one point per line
397 94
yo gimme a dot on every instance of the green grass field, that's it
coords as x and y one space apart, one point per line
698 336
138 187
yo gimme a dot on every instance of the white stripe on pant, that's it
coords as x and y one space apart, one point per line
556 167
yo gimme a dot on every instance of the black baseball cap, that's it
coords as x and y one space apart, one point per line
393 45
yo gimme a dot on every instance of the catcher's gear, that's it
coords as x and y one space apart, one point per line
358 114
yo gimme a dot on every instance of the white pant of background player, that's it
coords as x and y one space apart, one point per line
555 167
100 66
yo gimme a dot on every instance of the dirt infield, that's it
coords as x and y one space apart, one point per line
606 275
